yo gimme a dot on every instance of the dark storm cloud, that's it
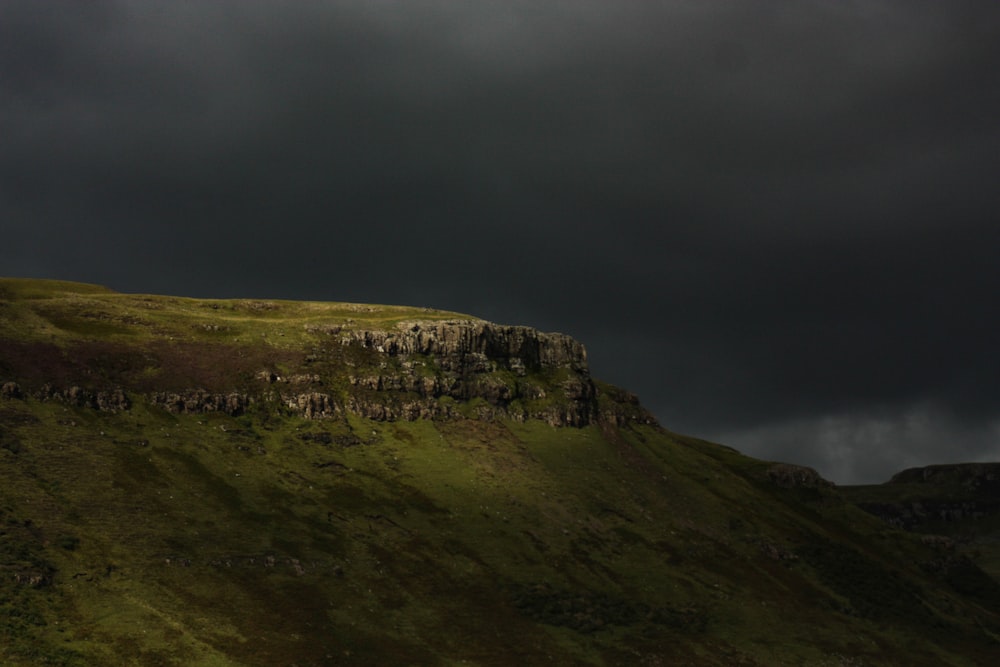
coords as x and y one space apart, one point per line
776 222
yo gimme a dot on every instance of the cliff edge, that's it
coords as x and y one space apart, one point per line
100 349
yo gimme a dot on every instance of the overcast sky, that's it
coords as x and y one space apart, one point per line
777 222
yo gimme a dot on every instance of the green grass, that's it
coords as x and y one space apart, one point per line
219 542
958 502
56 311
267 538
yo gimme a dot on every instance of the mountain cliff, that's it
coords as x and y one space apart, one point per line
323 362
246 482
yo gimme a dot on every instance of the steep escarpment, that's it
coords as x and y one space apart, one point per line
434 370
316 362
933 495
460 344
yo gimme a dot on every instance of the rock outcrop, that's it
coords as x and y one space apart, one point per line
970 475
474 345
312 405
501 371
11 390
111 400
414 370
790 476
936 494
198 401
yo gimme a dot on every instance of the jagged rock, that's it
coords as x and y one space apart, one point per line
790 476
114 400
973 475
463 359
313 405
33 579
493 389
577 389
474 344
381 409
11 390
427 387
199 401
564 415
620 407
417 370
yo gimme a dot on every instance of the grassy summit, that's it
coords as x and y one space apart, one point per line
75 309
234 482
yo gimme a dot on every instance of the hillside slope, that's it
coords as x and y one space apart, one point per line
960 502
201 482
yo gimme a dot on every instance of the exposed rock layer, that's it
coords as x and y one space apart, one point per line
113 400
416 370
941 493
462 345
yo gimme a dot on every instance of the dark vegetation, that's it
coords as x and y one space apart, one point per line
202 529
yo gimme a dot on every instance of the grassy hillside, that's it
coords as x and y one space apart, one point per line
131 533
960 502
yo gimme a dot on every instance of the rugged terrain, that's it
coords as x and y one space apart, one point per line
957 505
239 482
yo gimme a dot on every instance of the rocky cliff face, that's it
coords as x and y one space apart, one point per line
476 345
114 400
414 370
937 494
969 475
444 369
441 369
